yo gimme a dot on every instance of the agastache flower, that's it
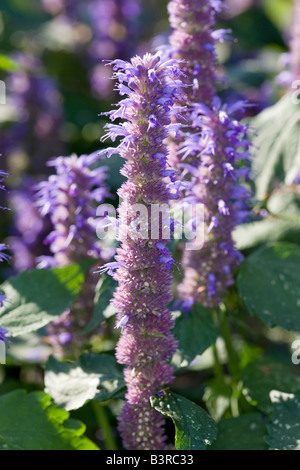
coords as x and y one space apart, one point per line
70 198
193 43
226 205
214 152
143 266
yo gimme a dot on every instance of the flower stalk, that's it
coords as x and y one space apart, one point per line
143 263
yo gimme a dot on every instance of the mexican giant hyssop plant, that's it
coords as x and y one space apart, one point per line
149 249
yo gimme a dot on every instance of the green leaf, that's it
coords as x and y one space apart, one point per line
195 429
246 432
8 64
271 229
265 374
92 377
269 285
284 430
277 144
285 202
217 398
32 422
103 308
37 297
282 224
195 332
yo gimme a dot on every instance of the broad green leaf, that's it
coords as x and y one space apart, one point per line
195 332
285 202
37 297
195 429
93 376
32 422
269 285
281 224
269 230
265 374
103 308
246 432
277 146
284 430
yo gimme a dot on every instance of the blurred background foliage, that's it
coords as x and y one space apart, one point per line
57 87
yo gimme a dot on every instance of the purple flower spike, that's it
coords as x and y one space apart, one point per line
70 197
143 265
215 152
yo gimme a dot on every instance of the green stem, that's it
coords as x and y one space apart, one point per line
233 361
218 369
234 403
104 425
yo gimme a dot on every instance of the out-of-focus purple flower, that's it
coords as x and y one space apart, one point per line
214 152
216 183
114 28
29 227
143 263
115 31
70 198
110 20
36 101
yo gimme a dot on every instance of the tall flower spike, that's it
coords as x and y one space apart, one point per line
70 198
213 156
143 264
192 41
